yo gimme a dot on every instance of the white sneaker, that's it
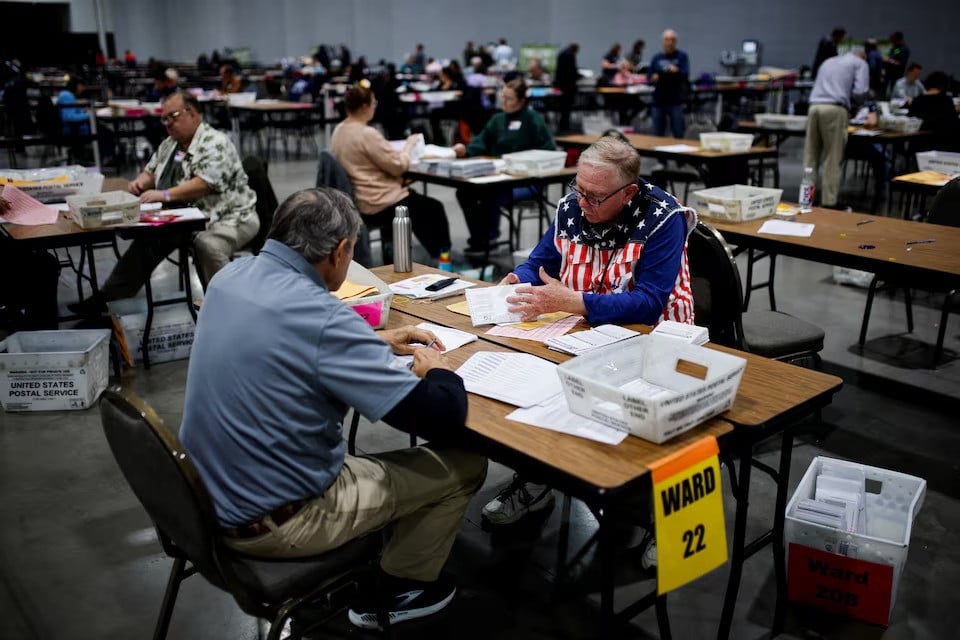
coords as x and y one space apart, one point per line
516 500
649 558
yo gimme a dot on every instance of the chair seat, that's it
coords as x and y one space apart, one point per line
773 334
275 581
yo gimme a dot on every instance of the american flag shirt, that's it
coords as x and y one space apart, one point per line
641 255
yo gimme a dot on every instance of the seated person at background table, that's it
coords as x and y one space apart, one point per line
537 75
909 86
267 438
196 165
230 82
935 107
625 75
670 72
842 83
615 253
516 128
76 121
376 171
28 301
610 63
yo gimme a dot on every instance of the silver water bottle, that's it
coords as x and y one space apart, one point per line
402 240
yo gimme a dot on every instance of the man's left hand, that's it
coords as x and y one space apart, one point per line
871 120
553 296
406 340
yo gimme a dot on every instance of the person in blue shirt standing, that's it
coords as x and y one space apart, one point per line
76 121
670 72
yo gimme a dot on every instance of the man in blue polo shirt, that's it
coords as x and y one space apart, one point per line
276 363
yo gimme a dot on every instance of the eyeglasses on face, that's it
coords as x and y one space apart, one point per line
171 117
593 201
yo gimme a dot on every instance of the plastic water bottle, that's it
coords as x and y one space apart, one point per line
806 190
402 239
444 262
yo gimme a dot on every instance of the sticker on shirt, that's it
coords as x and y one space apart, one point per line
179 156
514 125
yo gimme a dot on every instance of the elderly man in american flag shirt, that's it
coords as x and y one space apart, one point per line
615 253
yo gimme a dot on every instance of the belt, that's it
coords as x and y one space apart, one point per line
832 104
280 515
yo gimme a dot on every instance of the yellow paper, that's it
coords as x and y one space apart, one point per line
688 514
32 183
460 307
544 320
353 290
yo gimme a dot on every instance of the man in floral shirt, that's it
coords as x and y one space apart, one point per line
196 165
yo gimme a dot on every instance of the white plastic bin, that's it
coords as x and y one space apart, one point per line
781 121
947 162
892 503
171 331
102 209
726 141
53 184
736 202
375 309
536 162
634 385
53 370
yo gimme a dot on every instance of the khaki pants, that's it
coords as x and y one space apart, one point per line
214 248
825 144
423 491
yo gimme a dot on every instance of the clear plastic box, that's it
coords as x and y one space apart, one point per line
536 162
725 141
782 120
374 309
53 370
947 162
102 209
892 502
736 202
646 385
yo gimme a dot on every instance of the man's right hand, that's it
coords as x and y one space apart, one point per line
134 187
460 150
426 359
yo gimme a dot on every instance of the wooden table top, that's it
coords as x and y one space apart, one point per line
647 145
838 239
600 465
275 105
749 126
508 180
763 399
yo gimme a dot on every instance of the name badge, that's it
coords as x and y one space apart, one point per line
514 125
179 156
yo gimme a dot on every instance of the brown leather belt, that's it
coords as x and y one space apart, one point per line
280 515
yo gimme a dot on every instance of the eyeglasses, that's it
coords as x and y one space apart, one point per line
593 201
169 119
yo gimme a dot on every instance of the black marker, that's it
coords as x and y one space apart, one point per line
441 284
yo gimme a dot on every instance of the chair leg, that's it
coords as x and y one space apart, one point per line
770 280
942 332
170 598
866 311
909 306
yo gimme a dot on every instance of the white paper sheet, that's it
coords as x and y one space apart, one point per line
554 415
416 287
677 148
787 228
516 378
488 305
451 338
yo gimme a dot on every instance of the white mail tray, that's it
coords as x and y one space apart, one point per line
112 207
736 202
725 141
634 385
536 162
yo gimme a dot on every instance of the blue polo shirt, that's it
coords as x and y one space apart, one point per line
275 364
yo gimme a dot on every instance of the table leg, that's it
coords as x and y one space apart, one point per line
607 569
185 275
739 542
779 552
94 287
148 290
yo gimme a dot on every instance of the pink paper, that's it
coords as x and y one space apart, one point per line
552 330
370 312
25 210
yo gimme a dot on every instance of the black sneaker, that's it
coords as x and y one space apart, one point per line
92 307
406 599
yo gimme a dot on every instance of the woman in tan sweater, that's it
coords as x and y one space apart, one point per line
376 173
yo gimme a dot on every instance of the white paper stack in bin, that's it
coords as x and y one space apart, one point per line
736 202
102 209
885 525
633 385
171 331
725 141
374 309
781 121
536 162
53 370
947 162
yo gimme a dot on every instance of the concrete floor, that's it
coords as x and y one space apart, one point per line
79 559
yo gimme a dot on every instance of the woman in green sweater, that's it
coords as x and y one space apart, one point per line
517 128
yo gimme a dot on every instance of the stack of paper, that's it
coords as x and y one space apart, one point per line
24 209
583 341
488 305
471 168
516 378
838 503
349 290
689 333
416 287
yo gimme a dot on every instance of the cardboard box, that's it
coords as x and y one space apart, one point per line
53 370
853 573
171 333
654 387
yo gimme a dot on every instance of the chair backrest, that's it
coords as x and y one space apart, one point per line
162 477
945 208
715 281
256 170
330 173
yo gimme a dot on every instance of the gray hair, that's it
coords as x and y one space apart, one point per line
611 153
313 222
